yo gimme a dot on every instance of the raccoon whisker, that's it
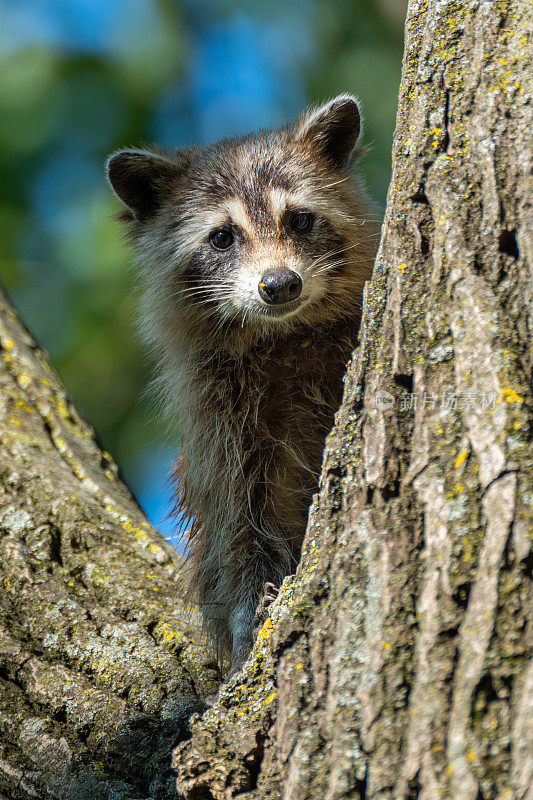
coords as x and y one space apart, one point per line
205 296
368 237
333 253
225 318
186 293
247 313
213 308
321 258
214 290
326 255
327 267
209 310
204 288
205 303
194 300
329 185
343 260
363 218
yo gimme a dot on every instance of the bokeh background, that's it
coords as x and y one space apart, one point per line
80 78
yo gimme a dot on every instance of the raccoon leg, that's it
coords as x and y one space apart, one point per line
242 630
245 625
245 619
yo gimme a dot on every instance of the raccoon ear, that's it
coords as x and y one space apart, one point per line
140 179
334 128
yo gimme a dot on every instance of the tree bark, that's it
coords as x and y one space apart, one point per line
397 662
99 665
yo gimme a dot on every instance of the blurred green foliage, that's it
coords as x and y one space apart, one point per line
78 81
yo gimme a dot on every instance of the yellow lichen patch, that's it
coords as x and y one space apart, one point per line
104 669
25 407
8 344
165 633
141 536
511 396
402 266
61 406
127 525
266 631
461 458
457 489
23 380
435 133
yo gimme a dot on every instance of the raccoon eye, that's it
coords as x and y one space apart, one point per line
221 239
301 221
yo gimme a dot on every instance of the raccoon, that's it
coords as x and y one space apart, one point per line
252 253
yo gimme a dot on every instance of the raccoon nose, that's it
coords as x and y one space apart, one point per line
280 286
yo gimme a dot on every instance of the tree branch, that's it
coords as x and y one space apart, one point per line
99 664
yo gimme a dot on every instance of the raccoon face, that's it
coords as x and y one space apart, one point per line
255 231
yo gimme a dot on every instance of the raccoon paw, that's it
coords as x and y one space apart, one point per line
270 592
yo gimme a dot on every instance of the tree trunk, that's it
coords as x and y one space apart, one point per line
99 667
397 662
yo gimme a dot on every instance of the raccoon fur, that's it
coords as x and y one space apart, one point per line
253 253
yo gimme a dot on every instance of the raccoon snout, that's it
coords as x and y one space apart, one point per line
279 286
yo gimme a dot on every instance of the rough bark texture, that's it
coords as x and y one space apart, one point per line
99 667
397 663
